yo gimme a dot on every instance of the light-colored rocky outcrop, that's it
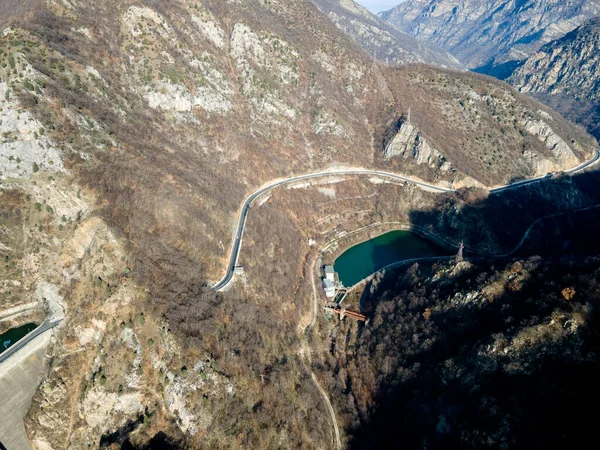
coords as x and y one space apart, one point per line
207 87
137 20
181 389
255 53
210 30
570 65
108 410
23 147
176 97
410 144
566 75
326 123
560 149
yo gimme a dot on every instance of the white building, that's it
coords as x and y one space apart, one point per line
330 273
329 287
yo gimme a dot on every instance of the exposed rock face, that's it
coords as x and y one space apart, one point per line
495 132
566 74
326 123
24 149
561 151
483 32
409 143
381 40
210 91
254 52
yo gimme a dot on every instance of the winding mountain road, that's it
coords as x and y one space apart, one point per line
239 231
237 238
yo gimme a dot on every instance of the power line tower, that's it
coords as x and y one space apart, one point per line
459 255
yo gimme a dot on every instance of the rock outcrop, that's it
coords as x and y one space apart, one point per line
559 148
410 144
490 32
24 147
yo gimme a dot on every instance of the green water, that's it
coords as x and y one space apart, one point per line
370 256
13 335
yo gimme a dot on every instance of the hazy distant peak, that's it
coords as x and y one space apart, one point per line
481 32
381 40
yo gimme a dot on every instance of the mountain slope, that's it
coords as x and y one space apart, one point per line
152 93
133 130
490 32
480 358
381 40
566 75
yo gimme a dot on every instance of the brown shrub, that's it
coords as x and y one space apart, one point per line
568 293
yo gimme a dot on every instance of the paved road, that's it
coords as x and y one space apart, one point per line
579 168
237 238
28 338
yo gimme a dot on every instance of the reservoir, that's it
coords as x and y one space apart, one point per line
370 256
12 336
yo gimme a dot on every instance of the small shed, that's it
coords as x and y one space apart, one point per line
329 273
329 287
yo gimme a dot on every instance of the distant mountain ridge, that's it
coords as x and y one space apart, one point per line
566 75
380 39
487 34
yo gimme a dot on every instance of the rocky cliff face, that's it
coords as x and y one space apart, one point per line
410 144
381 40
566 74
481 126
490 32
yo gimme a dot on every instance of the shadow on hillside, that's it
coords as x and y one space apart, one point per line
464 391
496 223
460 393
159 442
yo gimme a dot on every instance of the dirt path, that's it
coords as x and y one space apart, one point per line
338 442
336 430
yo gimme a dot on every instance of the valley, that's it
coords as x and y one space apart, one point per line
175 175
